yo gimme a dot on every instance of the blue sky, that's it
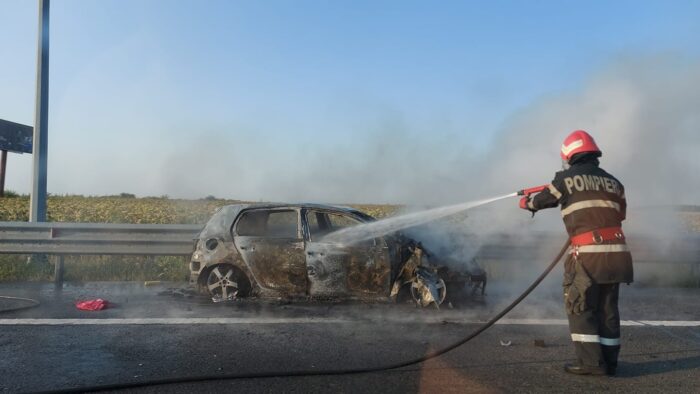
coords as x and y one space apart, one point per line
141 87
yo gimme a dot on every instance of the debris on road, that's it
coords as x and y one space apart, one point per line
539 343
229 297
506 343
92 305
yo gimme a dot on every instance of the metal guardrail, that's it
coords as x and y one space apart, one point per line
58 238
61 239
97 239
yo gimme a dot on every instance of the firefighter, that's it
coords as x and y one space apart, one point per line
593 207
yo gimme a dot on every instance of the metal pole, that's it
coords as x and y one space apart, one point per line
3 164
37 211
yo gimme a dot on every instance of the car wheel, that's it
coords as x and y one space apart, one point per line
420 293
226 282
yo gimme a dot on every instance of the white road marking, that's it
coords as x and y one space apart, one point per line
671 323
627 323
556 322
165 321
309 320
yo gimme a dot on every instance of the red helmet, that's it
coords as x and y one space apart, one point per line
577 142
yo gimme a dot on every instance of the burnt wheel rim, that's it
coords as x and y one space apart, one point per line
222 283
418 297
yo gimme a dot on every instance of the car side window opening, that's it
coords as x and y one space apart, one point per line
282 224
252 224
322 223
317 223
338 222
270 224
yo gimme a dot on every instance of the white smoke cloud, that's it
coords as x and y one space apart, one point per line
642 111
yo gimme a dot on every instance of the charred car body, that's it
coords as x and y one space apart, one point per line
278 250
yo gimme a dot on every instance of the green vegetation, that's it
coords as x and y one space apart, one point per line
11 194
95 268
115 209
125 208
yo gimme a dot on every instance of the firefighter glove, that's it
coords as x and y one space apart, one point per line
526 204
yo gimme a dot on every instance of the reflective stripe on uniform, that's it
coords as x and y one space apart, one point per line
566 149
556 193
585 338
601 248
590 204
610 341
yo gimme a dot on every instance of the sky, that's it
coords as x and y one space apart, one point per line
347 101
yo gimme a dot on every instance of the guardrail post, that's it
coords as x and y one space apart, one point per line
58 273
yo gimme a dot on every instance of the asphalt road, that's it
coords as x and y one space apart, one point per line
146 336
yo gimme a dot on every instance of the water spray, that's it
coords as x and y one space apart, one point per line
376 229
379 228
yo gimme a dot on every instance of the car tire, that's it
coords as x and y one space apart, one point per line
225 282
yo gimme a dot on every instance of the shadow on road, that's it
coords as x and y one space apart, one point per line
655 367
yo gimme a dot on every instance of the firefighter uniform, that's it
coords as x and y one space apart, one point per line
593 207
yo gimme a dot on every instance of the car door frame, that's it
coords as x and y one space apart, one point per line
277 264
353 270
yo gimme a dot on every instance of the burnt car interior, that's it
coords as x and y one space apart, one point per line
322 223
270 224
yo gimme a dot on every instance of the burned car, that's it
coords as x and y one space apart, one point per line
278 250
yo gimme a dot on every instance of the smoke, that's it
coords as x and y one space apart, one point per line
388 163
643 114
642 110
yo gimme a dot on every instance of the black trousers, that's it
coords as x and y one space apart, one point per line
596 331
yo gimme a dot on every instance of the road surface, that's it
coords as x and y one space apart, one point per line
146 336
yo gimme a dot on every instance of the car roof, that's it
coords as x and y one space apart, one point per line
220 223
295 205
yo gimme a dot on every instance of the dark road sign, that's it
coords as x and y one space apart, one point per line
15 137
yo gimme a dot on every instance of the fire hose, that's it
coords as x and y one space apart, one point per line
289 374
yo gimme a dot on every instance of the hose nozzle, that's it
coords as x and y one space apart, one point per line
532 190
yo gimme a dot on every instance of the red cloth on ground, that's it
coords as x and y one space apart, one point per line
92 305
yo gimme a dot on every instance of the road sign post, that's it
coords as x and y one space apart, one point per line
3 164
37 209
